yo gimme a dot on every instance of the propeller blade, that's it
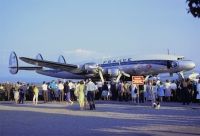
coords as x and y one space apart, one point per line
101 76
125 74
100 71
119 76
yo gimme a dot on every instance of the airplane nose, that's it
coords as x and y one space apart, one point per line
187 65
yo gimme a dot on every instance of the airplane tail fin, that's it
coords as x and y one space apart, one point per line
61 59
14 65
39 57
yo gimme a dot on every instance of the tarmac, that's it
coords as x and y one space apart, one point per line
109 119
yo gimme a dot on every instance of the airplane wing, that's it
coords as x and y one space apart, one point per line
49 64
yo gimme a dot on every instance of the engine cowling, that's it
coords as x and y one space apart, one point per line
114 72
90 68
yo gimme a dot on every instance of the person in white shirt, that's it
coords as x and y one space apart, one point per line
173 91
45 91
91 88
133 92
167 90
16 96
61 91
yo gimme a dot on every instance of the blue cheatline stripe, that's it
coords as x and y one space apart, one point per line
156 62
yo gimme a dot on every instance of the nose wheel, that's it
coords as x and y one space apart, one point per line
180 75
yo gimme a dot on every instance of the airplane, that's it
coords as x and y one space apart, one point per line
104 70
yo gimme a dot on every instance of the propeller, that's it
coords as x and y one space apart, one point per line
120 74
125 74
100 71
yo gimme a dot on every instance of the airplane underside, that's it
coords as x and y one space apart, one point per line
107 77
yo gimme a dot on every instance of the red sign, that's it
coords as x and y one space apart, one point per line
138 80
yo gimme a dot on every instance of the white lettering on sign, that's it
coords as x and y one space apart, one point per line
138 80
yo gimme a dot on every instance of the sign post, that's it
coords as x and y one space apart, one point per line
138 80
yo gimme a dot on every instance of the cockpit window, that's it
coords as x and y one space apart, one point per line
180 58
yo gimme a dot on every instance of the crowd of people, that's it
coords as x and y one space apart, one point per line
85 92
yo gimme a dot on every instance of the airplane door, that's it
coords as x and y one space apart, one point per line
168 64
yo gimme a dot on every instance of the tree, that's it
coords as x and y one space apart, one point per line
194 7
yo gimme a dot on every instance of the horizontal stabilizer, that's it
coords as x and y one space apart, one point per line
27 68
14 66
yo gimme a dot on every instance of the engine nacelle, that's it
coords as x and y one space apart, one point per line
114 72
90 68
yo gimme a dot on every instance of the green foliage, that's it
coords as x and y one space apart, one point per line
194 7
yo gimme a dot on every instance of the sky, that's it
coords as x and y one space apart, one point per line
80 30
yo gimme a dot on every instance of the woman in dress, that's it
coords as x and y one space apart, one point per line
81 94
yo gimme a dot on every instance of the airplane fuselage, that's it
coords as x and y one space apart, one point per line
139 67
